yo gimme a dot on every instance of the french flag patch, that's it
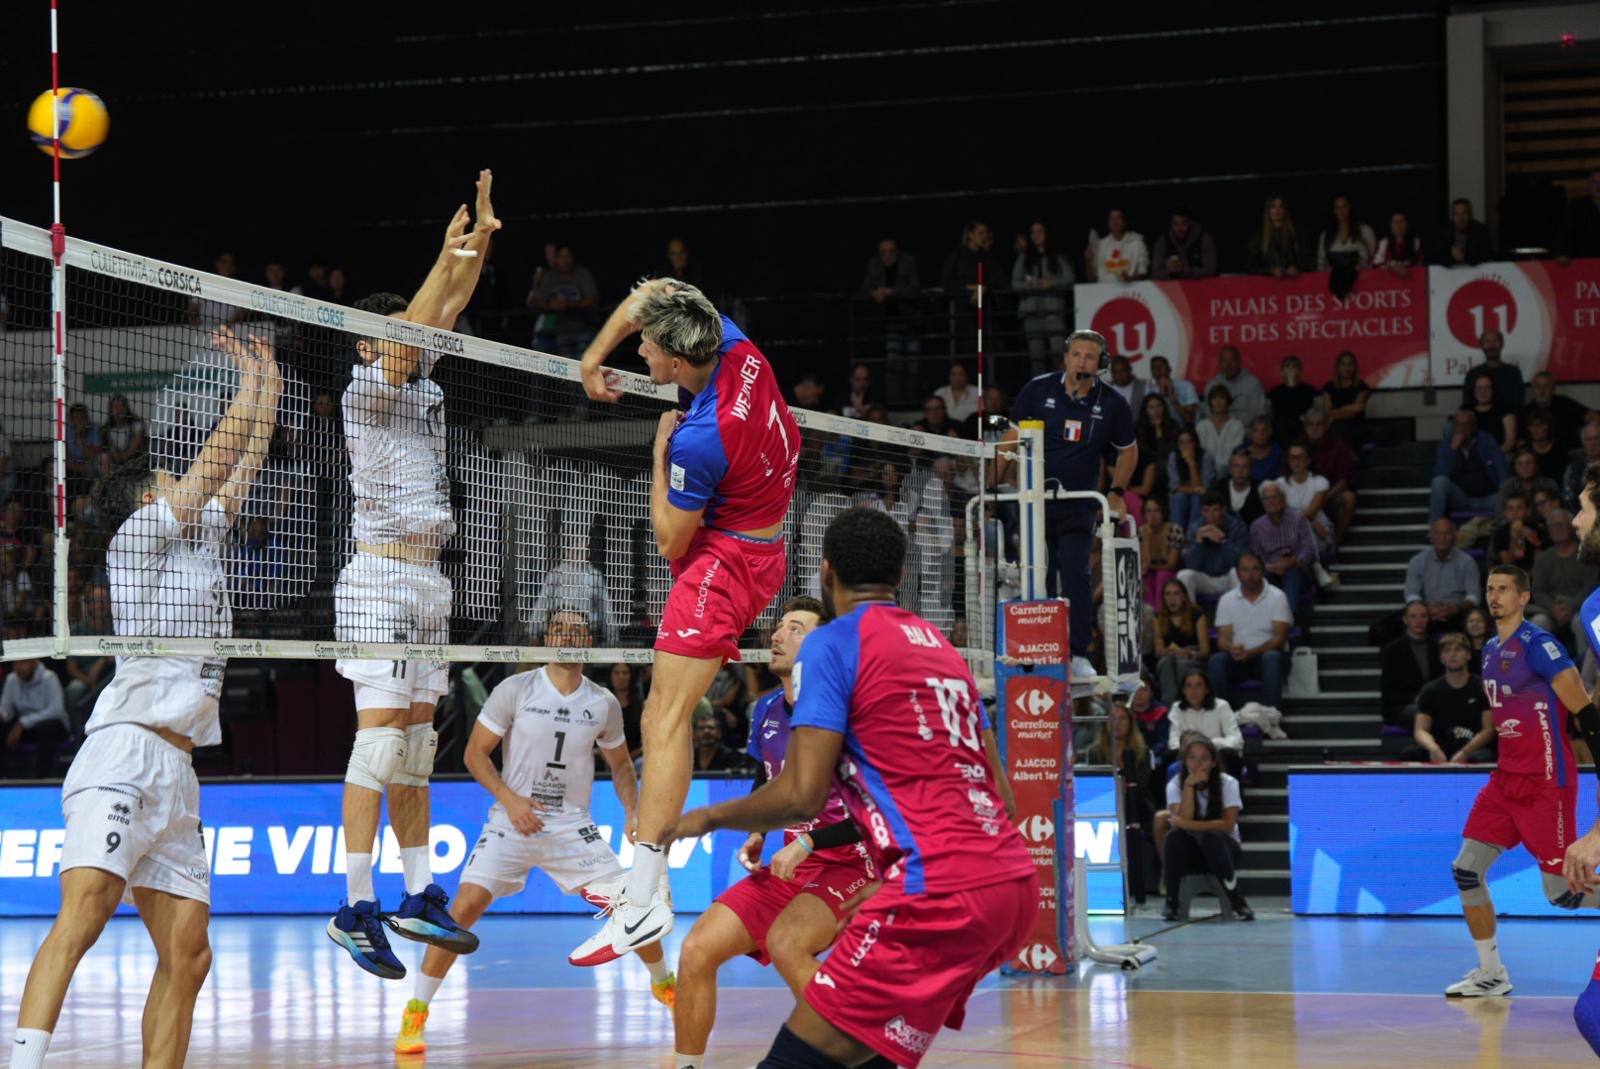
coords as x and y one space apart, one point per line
1072 430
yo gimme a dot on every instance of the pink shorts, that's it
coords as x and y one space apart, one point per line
905 965
1513 808
721 585
758 898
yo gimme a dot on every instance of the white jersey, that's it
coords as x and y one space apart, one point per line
164 584
396 436
549 738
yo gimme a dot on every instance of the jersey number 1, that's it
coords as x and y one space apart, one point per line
561 743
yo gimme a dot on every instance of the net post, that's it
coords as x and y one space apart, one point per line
1035 555
58 337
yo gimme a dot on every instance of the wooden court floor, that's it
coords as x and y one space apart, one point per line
1282 992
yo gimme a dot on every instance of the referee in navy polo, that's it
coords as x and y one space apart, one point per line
1084 423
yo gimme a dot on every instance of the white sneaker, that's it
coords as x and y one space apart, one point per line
1082 669
1480 983
628 927
1325 579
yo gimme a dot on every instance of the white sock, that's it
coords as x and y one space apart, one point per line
29 1050
427 986
658 969
358 879
643 882
688 1061
1488 954
418 867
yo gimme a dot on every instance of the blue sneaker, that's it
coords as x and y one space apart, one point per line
426 919
358 930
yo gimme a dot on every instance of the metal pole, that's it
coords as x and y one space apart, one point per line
1035 555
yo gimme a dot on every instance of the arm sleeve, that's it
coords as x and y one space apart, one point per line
496 712
1548 658
1174 730
147 532
1174 792
8 699
1413 590
1141 260
842 833
1231 737
611 735
696 464
825 678
1231 798
1281 613
1121 432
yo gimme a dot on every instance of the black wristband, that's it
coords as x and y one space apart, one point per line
1119 491
843 833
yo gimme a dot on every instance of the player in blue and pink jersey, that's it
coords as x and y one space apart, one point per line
885 704
1532 797
722 478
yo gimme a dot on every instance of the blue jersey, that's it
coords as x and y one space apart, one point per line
1528 717
770 727
1078 433
1589 615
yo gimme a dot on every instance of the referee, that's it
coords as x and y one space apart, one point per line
1084 422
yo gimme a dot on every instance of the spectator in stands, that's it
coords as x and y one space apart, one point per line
935 418
338 285
1572 481
1345 242
1190 471
1494 415
892 284
730 697
1406 664
1119 256
574 584
995 406
1266 456
1517 538
1247 399
1579 235
1122 380
1566 416
1307 493
1253 622
570 295
1399 249
1559 573
1344 399
1453 721
621 683
681 265
1549 457
1221 432
1215 544
1507 377
1463 241
1526 479
1289 400
1042 279
274 276
1443 578
16 536
710 753
1157 430
34 714
1467 469
208 314
959 397
1149 715
321 445
1275 247
16 589
1479 628
1332 458
316 283
83 447
1205 712
1186 250
262 558
1161 549
1239 489
1282 538
1182 639
809 392
123 433
88 676
1182 398
1203 805
1545 501
859 392
960 274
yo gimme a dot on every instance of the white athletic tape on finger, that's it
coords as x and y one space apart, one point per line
465 254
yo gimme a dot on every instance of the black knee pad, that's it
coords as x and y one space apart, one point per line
1466 879
789 1051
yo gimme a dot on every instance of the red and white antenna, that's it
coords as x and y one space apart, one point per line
58 332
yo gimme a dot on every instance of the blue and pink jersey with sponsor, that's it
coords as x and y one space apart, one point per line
1528 717
913 769
736 451
770 726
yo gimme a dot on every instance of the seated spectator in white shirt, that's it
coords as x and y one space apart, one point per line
1220 430
1253 621
1201 711
1202 821
960 397
35 714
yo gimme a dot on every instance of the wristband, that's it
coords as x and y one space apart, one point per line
1119 491
805 842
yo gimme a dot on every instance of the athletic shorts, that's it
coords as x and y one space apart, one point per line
905 965
383 600
1513 808
572 852
758 898
132 806
720 586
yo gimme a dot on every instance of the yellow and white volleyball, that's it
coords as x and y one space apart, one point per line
77 116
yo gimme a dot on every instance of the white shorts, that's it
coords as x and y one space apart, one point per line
383 600
573 853
132 804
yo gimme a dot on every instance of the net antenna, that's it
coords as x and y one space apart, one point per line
58 330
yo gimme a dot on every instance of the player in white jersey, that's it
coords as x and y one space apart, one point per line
131 800
547 723
393 590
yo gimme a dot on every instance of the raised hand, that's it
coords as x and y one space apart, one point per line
486 223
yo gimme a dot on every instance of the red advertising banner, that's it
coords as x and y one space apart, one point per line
1384 321
1548 314
1034 708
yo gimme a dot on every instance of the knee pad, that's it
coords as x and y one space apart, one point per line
375 758
422 742
1469 868
789 1051
1559 894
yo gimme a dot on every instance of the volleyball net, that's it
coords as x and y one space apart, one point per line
504 480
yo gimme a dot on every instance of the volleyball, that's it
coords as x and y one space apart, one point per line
81 121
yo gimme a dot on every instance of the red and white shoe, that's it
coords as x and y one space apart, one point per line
628 927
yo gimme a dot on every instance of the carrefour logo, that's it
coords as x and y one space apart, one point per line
1035 702
1038 957
1037 829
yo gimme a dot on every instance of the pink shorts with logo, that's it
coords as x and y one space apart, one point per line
722 584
